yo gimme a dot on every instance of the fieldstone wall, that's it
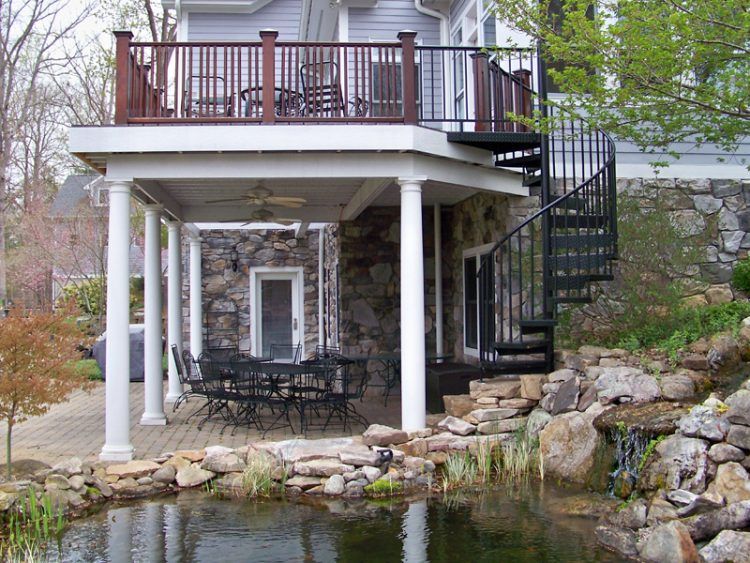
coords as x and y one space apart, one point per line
369 268
227 318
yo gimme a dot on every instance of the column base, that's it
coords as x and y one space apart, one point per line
117 453
172 398
153 420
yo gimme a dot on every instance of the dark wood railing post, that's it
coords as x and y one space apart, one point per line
268 84
123 72
522 95
482 93
409 76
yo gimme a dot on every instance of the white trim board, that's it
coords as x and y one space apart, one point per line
255 311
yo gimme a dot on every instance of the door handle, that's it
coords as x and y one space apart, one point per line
294 324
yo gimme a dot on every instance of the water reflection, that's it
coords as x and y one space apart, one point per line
512 524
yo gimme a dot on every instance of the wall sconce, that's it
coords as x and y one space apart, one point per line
234 256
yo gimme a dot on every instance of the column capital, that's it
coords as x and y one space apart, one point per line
151 208
195 240
174 225
411 181
120 186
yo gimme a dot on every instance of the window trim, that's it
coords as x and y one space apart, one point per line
475 252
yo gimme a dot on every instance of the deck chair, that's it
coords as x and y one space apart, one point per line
207 97
286 352
322 90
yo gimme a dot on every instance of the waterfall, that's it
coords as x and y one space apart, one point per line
630 445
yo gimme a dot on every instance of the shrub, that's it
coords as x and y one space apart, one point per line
459 469
741 275
384 487
257 479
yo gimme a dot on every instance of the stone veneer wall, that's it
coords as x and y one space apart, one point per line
226 294
369 272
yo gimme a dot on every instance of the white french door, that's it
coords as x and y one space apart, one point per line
277 309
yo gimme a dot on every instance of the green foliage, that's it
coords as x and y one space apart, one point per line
650 71
648 451
88 369
741 275
684 326
383 487
30 526
459 469
519 458
647 287
90 295
257 479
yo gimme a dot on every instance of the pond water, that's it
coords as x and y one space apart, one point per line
513 523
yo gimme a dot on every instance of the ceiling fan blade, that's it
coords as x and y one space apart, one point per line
294 202
285 221
230 200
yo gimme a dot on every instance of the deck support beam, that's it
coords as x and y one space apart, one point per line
153 414
412 305
174 307
117 446
196 298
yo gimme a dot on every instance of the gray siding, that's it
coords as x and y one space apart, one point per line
282 15
457 9
389 17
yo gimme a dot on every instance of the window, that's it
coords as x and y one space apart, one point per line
473 301
387 92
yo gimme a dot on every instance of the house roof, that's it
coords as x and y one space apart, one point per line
75 190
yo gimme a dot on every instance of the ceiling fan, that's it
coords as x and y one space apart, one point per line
260 196
267 216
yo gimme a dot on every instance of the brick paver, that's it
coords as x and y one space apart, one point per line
76 428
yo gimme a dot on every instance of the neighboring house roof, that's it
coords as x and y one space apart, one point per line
76 189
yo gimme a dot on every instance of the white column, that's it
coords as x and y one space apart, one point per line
438 282
153 386
321 297
196 298
416 540
412 306
174 307
117 446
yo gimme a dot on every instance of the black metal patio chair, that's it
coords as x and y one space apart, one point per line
286 353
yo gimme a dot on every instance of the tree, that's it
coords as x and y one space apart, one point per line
651 71
37 366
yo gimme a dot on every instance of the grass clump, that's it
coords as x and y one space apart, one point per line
30 527
650 447
384 487
257 479
519 458
741 275
89 369
459 469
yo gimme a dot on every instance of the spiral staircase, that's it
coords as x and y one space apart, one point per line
553 257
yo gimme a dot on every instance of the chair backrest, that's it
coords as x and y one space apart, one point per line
322 351
181 369
206 97
322 89
287 352
191 367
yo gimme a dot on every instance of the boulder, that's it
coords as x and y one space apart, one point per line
739 436
561 375
485 415
587 398
668 543
372 474
518 403
728 546
178 462
626 384
677 387
359 456
660 511
702 503
456 426
536 421
724 352
703 422
192 476
531 386
415 447
77 482
731 482
304 482
568 444
680 497
697 362
722 453
135 469
547 402
68 467
619 540
488 402
321 468
191 455
705 526
678 462
223 463
291 451
739 407
334 486
633 516
165 474
459 405
381 435
566 399
7 500
498 388
501 426
579 362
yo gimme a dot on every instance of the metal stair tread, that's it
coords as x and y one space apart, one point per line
578 221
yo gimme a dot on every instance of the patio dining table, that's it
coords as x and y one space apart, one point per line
388 367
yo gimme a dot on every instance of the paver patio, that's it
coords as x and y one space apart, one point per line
76 428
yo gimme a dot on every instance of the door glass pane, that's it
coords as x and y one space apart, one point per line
470 302
275 313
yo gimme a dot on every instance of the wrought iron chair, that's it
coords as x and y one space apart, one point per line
347 386
187 376
215 385
206 96
322 93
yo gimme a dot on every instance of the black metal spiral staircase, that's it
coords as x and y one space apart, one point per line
552 257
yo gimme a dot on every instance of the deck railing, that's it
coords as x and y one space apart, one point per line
272 81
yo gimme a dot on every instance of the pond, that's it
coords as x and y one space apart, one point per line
511 523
